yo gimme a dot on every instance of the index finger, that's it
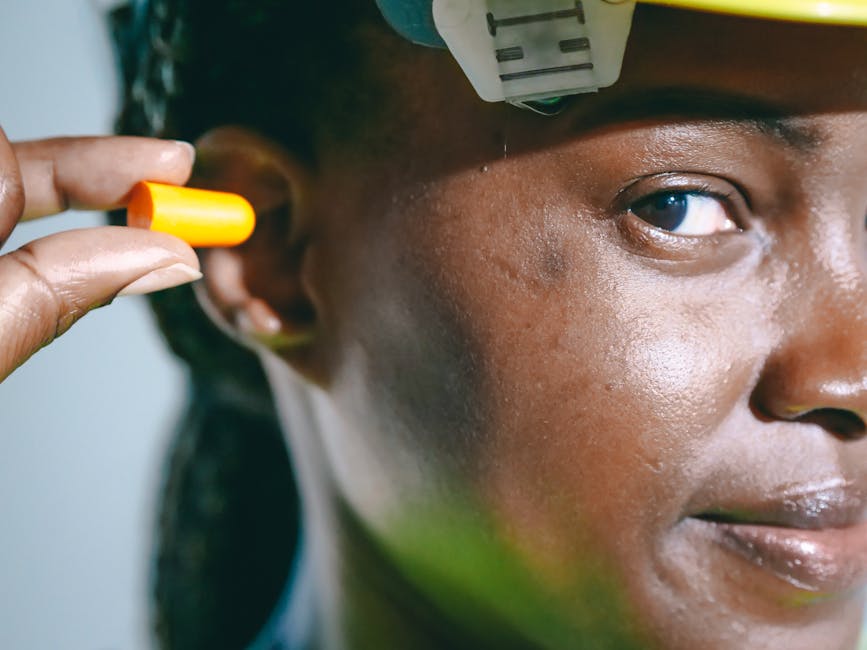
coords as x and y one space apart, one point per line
95 173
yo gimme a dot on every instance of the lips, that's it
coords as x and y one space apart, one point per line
832 503
827 561
811 536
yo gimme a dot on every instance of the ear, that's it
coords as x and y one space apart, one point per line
254 291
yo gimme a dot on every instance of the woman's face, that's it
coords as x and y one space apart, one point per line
610 366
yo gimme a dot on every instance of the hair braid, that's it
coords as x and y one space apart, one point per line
227 523
228 516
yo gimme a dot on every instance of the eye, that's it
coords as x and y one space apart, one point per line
685 213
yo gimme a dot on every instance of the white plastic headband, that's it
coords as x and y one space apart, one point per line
532 50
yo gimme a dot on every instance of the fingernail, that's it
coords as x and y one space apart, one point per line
165 278
189 147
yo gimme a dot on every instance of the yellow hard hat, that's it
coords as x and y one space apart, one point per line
841 12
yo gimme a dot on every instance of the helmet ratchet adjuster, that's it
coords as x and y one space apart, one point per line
533 52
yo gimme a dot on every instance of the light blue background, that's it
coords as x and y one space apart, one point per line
84 424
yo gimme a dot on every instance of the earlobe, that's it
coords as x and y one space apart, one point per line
248 319
254 292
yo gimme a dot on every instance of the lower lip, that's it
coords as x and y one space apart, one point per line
826 561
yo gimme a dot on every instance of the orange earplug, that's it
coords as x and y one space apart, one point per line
202 218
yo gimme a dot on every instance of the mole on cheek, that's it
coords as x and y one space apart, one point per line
552 260
554 264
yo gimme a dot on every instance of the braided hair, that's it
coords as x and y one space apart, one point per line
228 512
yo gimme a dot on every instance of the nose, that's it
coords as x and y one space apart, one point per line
818 374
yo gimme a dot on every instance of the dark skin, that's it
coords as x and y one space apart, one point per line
531 396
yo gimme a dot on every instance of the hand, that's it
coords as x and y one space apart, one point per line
50 283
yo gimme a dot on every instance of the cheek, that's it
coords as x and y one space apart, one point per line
603 382
403 368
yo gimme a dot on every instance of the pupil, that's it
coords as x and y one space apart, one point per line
665 211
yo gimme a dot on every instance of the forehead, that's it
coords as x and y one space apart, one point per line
771 67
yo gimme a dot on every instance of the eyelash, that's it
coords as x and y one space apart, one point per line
699 190
705 189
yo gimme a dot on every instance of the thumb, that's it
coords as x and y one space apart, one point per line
47 285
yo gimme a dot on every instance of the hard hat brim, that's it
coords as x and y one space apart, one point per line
838 12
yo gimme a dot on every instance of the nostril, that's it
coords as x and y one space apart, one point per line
842 423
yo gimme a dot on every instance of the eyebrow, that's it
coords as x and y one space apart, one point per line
702 104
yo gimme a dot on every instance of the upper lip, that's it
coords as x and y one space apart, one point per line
830 503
